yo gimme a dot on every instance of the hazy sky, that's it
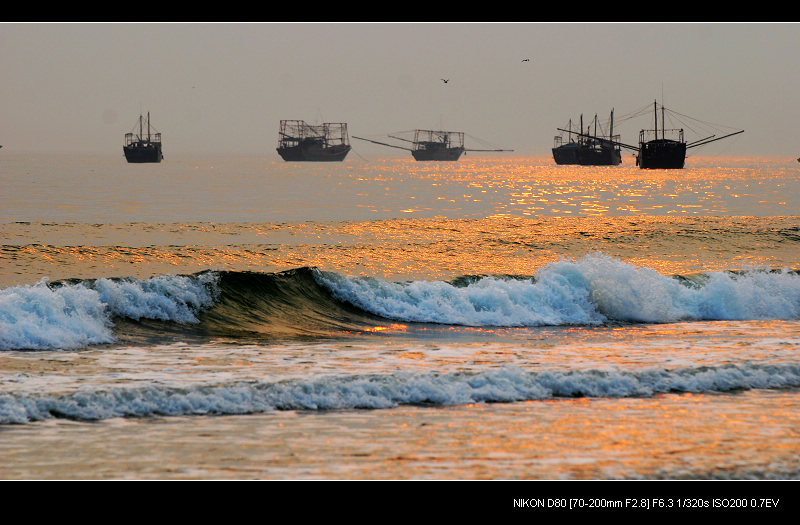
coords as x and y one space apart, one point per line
224 87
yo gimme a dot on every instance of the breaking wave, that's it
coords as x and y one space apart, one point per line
75 314
307 302
595 289
387 391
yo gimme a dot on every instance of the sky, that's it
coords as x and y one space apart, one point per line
224 87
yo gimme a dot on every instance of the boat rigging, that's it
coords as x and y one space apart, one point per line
591 149
431 145
299 141
138 149
666 150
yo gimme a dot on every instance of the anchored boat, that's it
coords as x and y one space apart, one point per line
567 153
299 141
140 147
590 149
660 149
669 150
430 145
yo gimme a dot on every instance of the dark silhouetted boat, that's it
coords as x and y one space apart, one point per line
567 153
590 149
601 151
669 150
430 145
140 148
666 150
299 141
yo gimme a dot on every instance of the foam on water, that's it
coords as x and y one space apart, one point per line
45 316
594 289
624 292
40 317
562 299
174 298
385 391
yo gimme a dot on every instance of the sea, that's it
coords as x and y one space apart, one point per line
497 318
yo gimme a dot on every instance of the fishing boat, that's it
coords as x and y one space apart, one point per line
590 149
669 150
431 145
666 150
139 147
326 142
566 153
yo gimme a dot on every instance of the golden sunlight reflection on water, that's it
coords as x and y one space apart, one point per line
536 186
258 190
400 219
744 436
397 249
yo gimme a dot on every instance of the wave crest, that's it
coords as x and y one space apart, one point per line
386 391
76 314
310 302
591 290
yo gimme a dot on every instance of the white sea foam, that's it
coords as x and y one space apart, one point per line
591 290
39 317
594 289
386 391
71 316
166 297
624 292
561 299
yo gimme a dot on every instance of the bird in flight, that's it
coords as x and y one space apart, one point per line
445 80
526 59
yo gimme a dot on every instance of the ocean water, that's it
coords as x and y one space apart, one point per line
497 318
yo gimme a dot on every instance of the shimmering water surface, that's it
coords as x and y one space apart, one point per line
493 318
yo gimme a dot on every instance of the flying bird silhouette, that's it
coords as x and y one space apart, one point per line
526 59
445 80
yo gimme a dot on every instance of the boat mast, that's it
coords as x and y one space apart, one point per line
655 115
611 129
140 126
148 126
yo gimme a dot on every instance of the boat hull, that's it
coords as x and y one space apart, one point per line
586 156
599 157
141 154
439 154
567 154
303 153
662 154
